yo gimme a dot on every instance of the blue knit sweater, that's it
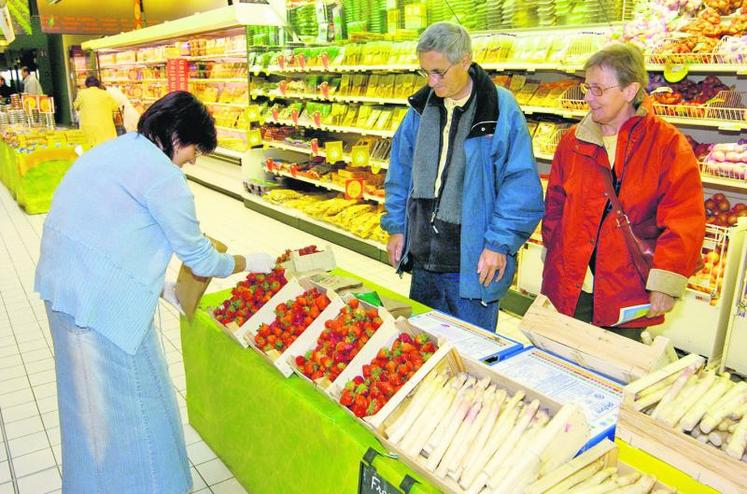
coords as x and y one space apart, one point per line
117 217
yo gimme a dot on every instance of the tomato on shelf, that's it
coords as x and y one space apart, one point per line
340 341
391 368
292 318
249 296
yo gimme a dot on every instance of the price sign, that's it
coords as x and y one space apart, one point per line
275 114
375 167
269 164
325 60
255 137
177 74
294 171
302 61
294 116
317 118
334 151
354 188
370 482
283 87
360 155
675 72
315 147
281 62
253 113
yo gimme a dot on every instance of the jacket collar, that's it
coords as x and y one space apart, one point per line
486 113
590 131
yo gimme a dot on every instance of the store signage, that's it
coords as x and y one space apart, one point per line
177 74
283 87
30 102
354 188
275 114
325 60
315 147
360 155
46 104
281 62
324 88
317 118
302 61
333 149
675 72
255 137
294 116
370 482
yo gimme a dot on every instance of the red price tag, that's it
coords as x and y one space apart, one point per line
315 147
325 60
281 62
283 87
324 87
294 171
294 116
269 164
275 114
317 118
354 188
302 61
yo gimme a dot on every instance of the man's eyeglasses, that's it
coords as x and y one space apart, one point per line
434 73
595 90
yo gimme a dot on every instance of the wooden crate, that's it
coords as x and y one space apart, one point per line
604 452
589 346
574 437
704 463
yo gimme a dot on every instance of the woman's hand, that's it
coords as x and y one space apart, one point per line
661 303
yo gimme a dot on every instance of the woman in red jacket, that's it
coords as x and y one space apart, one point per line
589 272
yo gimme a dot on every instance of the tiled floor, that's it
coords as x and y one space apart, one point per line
29 426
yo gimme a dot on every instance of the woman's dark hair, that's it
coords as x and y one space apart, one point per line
178 118
92 81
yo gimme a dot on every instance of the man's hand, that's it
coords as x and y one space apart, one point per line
661 303
394 248
491 266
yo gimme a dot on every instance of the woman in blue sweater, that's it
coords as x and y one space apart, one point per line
118 216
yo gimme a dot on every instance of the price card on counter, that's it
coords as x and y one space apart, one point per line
333 149
566 382
370 482
470 340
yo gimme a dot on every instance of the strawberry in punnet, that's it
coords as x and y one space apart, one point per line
340 341
291 320
285 256
365 395
249 296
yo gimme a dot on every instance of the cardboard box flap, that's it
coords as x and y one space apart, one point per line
190 288
598 349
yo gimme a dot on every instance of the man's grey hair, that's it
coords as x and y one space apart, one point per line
448 39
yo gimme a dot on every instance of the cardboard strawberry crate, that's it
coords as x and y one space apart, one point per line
704 463
595 348
571 436
300 286
591 462
290 290
368 353
311 336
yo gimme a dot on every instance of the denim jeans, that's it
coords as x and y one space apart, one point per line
119 421
440 291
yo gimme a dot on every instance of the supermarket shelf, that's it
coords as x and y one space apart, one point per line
725 125
219 80
327 231
234 156
543 156
723 183
323 184
708 68
335 128
237 57
307 150
332 98
132 64
230 129
563 112
228 105
333 69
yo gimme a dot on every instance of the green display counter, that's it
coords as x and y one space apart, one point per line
32 177
276 435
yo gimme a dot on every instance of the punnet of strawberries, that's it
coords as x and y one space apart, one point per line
340 341
291 320
285 256
391 368
249 295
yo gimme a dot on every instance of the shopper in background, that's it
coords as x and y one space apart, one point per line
589 270
96 109
130 115
117 217
462 190
5 90
31 84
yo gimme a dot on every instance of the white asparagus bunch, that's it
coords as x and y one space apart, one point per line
431 415
738 441
430 385
682 380
728 403
695 414
687 398
577 477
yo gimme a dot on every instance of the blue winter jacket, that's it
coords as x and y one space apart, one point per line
502 202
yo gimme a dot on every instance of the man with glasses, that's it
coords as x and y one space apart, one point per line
462 190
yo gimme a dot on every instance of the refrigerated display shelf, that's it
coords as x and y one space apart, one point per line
331 98
307 150
335 128
322 184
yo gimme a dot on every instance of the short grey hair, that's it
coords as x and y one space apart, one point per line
626 61
446 38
